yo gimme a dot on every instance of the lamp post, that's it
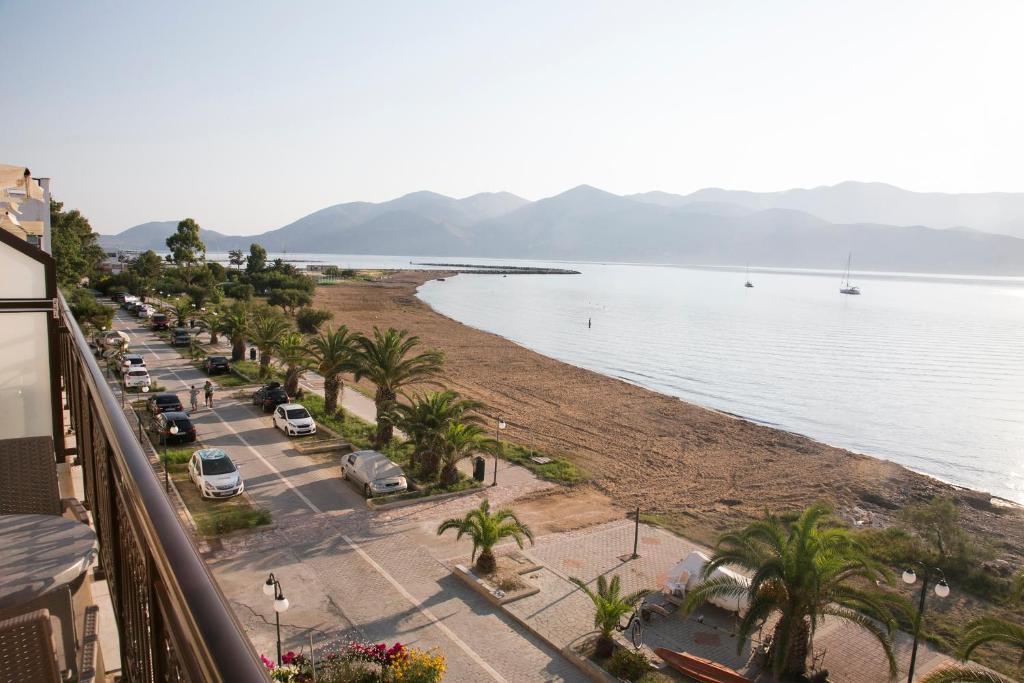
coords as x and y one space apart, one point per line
145 390
172 430
497 437
941 590
124 380
272 587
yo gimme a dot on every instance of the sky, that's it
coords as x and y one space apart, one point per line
248 115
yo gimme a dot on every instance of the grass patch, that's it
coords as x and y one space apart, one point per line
215 517
251 369
558 470
351 428
434 489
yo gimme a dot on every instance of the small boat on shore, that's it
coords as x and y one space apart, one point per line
700 669
845 287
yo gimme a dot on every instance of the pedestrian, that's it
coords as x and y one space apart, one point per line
589 321
193 394
208 390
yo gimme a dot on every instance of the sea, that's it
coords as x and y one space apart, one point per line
923 370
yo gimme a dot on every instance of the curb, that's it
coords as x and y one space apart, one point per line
592 671
484 588
422 499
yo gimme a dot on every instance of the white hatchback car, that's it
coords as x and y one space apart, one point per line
373 473
137 377
294 420
213 473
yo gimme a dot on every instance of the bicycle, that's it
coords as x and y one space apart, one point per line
635 628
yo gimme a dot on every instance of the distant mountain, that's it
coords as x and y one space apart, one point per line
853 202
710 227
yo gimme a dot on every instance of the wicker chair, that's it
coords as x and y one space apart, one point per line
26 649
29 485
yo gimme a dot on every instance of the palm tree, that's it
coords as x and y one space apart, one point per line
802 572
384 360
267 330
458 440
235 324
291 351
332 352
423 420
211 320
182 309
610 605
485 530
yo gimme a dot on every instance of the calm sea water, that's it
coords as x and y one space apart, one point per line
924 371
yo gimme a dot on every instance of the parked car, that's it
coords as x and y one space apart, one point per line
294 420
129 299
213 473
215 364
163 402
137 377
186 430
144 311
158 321
129 361
180 337
372 472
119 297
269 396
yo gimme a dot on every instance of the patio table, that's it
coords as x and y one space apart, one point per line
40 554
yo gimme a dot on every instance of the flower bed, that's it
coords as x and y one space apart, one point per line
360 662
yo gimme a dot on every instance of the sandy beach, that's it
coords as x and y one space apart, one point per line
700 470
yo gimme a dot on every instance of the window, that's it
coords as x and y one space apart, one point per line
218 466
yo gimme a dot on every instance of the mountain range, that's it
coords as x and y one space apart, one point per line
886 228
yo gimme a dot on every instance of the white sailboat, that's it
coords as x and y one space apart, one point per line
845 287
748 283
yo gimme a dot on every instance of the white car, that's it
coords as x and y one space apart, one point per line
213 473
373 473
130 361
146 312
137 377
294 420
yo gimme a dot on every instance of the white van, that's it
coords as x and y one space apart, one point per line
373 473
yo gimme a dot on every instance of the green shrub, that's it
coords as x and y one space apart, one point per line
627 664
558 470
350 428
309 319
224 520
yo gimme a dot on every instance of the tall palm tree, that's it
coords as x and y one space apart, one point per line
234 323
267 330
332 352
802 572
211 320
291 351
424 419
386 360
610 605
458 440
485 529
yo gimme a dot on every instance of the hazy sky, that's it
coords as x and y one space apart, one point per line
251 114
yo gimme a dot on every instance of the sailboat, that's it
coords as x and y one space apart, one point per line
845 287
748 283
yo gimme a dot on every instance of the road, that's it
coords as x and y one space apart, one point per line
348 572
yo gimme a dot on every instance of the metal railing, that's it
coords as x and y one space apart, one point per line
173 621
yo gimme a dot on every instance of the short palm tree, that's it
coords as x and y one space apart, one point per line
458 440
486 529
387 360
291 351
212 322
234 323
267 330
610 605
182 309
423 420
802 571
332 352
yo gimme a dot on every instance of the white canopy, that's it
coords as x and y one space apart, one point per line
687 574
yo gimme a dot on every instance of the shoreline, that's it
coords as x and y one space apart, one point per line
699 470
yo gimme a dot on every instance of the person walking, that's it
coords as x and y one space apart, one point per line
193 394
208 391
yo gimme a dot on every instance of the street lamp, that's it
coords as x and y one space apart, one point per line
172 430
497 438
272 587
941 590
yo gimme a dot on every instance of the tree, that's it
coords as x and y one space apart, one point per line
267 330
234 323
213 322
289 299
236 258
147 266
242 291
425 418
978 633
385 360
181 308
186 247
803 570
73 243
937 523
309 319
610 605
291 351
257 259
485 530
458 440
332 352
89 313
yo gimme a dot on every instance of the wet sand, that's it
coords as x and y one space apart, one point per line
700 470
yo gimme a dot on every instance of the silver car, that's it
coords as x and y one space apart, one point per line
373 473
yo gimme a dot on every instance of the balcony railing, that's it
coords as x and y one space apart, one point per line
173 621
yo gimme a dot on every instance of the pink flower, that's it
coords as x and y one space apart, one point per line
266 662
288 657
